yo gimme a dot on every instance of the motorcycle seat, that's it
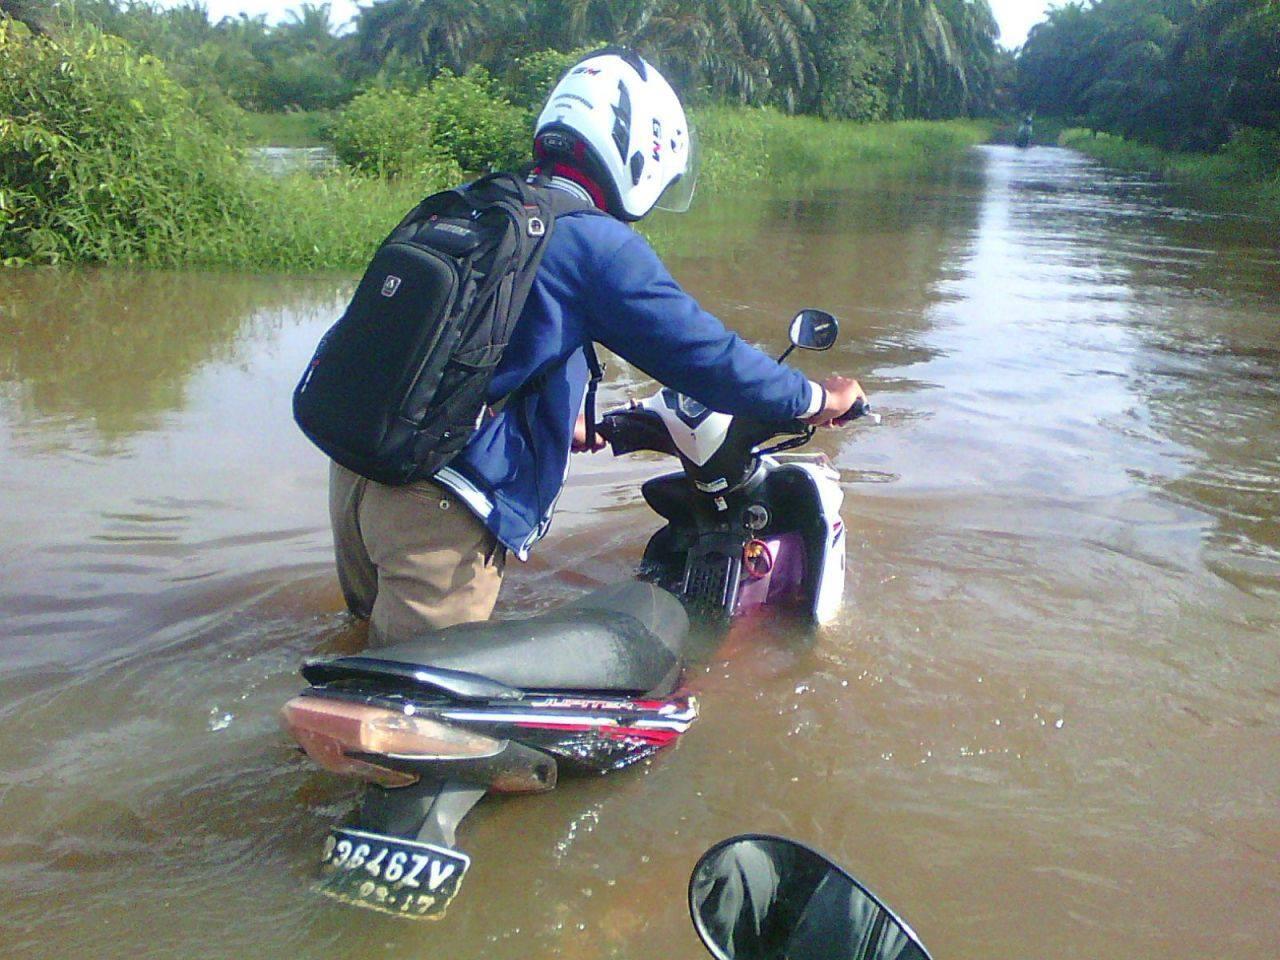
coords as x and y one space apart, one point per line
626 638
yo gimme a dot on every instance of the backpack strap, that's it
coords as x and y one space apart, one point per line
561 203
539 380
597 374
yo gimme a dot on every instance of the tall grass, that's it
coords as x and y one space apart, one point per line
104 157
741 144
295 128
1244 173
314 222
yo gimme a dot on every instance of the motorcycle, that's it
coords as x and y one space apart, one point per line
1025 134
748 526
589 687
761 897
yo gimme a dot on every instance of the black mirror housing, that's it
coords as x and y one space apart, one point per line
814 330
759 897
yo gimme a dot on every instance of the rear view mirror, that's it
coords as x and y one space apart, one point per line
758 897
814 330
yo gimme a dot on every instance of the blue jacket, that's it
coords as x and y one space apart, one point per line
600 281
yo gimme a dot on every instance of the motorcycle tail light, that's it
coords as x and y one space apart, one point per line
757 559
347 738
420 738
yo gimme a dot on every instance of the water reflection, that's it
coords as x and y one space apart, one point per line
115 349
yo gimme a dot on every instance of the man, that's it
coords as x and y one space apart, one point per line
431 553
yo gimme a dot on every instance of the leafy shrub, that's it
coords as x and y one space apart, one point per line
1255 154
305 81
104 157
385 133
472 122
530 78
457 123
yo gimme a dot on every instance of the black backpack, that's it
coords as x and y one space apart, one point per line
397 386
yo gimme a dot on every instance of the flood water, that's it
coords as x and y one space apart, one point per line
1046 725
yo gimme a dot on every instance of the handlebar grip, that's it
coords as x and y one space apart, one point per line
860 408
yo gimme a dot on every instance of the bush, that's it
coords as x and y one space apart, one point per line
385 133
305 81
455 124
473 124
530 78
104 157
1255 154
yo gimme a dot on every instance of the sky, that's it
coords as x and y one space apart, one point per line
1014 16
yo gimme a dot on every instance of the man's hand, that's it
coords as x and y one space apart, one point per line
842 393
579 444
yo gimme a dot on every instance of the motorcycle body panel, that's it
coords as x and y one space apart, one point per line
698 554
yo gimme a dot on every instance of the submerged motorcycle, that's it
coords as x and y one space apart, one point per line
592 686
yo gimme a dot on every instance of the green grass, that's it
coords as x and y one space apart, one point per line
1244 174
740 144
314 222
301 128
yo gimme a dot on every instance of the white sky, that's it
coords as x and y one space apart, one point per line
1015 17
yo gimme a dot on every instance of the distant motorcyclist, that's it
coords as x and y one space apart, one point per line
1026 132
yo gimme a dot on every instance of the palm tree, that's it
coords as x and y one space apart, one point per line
937 48
1223 62
308 27
745 49
750 50
433 34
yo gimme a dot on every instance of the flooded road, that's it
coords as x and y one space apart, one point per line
1047 723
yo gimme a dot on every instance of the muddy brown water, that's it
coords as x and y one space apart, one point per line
1045 725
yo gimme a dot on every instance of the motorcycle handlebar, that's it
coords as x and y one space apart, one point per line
629 429
860 408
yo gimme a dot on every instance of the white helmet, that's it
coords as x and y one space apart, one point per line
616 119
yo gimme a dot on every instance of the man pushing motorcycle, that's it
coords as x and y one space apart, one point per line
429 553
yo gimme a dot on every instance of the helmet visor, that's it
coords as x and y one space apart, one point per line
679 193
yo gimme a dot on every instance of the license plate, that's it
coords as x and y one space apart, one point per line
390 874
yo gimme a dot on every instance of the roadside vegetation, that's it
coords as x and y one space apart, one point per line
124 126
292 128
859 59
106 157
1187 90
1243 174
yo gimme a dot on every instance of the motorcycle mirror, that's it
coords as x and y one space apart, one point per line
760 897
814 330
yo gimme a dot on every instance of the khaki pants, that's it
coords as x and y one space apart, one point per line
411 558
